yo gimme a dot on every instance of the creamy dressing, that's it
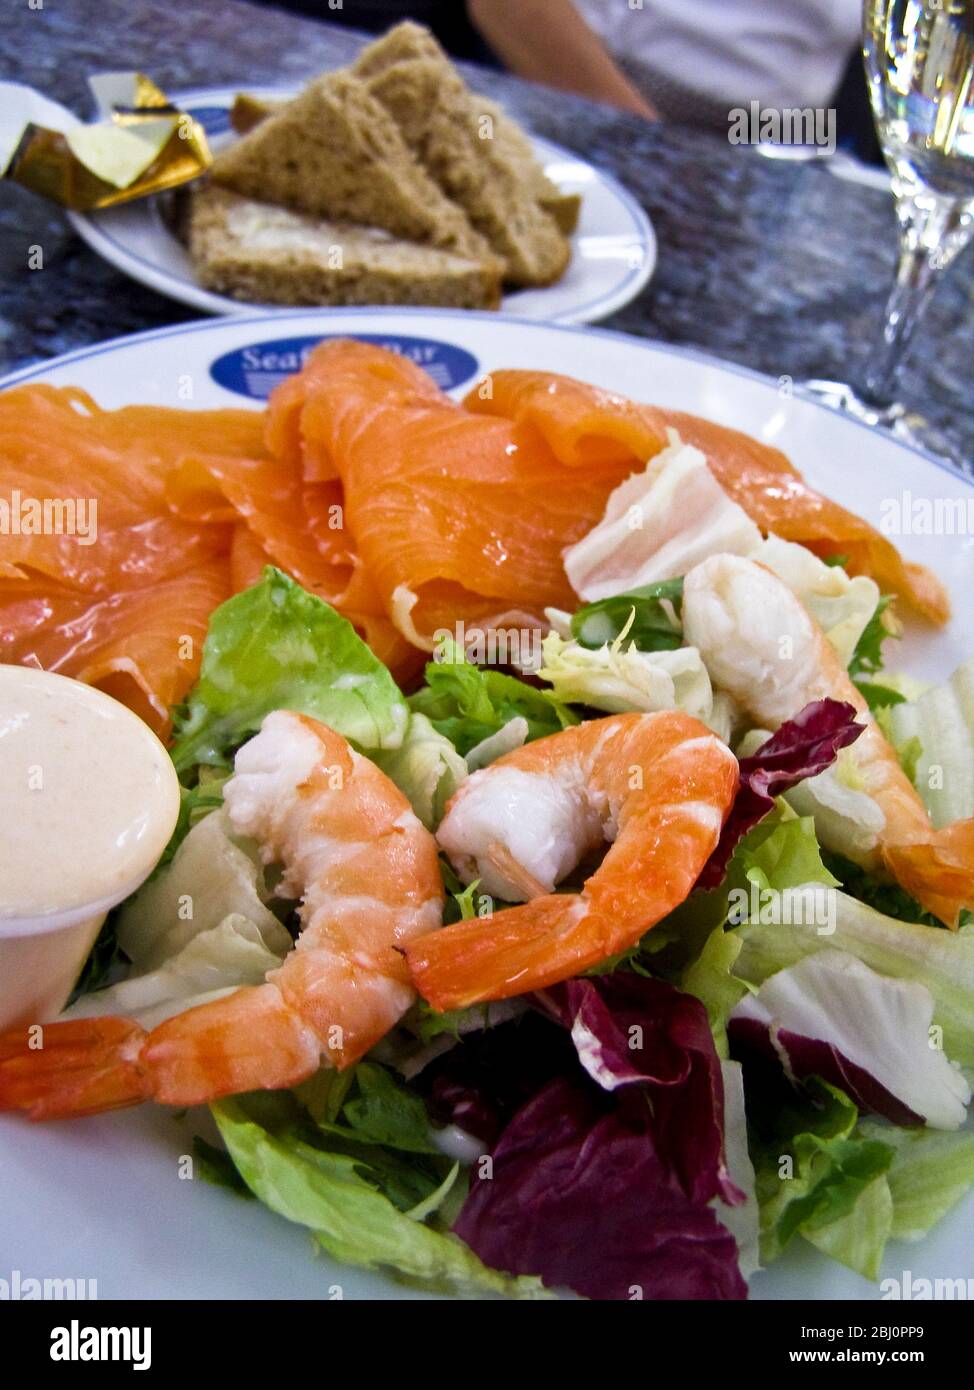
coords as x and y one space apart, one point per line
89 796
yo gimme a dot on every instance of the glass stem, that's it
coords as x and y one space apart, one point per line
932 230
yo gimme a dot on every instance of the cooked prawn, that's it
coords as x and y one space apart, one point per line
368 874
657 786
762 646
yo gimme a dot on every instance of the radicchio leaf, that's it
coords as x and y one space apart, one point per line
601 1180
632 1030
482 1081
802 747
579 1194
833 1016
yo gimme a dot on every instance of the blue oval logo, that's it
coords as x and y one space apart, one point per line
254 371
215 120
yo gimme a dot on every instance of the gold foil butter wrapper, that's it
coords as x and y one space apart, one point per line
142 145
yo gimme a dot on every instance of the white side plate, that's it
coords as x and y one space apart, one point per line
613 249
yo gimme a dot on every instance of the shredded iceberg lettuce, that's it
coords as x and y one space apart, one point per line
426 768
942 722
212 875
212 963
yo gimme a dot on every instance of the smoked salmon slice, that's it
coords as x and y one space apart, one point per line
404 509
141 645
587 427
105 469
468 513
113 586
289 521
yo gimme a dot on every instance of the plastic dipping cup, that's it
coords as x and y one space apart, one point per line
88 801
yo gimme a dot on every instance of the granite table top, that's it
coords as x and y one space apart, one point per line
776 265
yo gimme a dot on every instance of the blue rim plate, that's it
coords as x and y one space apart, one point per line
150 1234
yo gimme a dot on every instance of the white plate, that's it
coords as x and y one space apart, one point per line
613 248
102 1199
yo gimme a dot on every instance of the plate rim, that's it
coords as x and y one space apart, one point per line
695 354
195 296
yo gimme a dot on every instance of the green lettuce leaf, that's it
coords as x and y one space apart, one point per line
857 1238
211 875
867 658
878 696
467 703
195 803
778 854
781 852
932 1170
815 1178
943 961
215 1166
275 646
333 1194
850 1186
938 728
650 617
710 978
232 954
383 1111
426 768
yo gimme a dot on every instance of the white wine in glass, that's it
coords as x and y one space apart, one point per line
920 70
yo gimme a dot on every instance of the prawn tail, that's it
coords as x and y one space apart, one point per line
80 1067
249 1040
521 949
939 872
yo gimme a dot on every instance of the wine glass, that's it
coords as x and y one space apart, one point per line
919 61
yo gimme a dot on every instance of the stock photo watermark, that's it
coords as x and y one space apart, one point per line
76 1342
908 1289
791 125
812 905
909 515
519 647
22 515
18 1287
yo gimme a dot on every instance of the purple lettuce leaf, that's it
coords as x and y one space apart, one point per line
802 747
632 1030
601 1179
482 1082
579 1194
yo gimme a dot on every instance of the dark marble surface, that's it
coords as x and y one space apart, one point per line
779 266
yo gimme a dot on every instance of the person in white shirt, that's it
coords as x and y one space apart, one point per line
684 60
